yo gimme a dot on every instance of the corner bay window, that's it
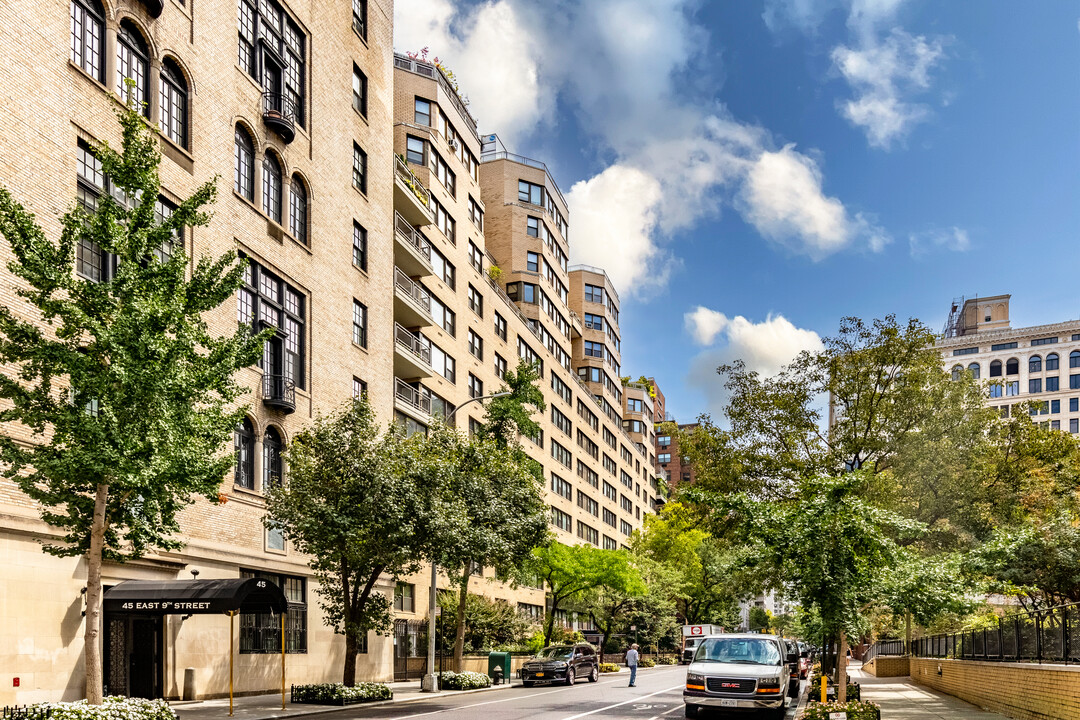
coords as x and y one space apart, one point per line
261 632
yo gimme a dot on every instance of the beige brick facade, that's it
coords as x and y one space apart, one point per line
1019 690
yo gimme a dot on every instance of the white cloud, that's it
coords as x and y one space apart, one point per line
704 324
953 239
765 347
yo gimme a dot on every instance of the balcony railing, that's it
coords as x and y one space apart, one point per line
429 70
411 237
522 160
279 392
279 114
414 292
402 169
412 343
411 396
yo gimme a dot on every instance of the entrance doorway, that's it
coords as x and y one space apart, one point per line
134 655
410 660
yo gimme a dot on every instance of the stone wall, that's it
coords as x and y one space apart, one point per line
1019 690
887 666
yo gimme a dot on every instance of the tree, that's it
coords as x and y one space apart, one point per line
360 503
571 570
490 625
609 605
512 414
130 396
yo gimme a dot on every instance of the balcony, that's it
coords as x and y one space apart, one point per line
412 356
412 303
279 393
411 401
575 325
412 251
411 199
279 115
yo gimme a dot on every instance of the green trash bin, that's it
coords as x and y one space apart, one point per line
499 667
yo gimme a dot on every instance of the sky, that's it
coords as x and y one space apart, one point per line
751 171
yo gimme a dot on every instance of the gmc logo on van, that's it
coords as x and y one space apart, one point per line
729 685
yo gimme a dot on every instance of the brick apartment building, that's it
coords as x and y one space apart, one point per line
355 184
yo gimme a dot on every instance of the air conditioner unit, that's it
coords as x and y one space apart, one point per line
454 144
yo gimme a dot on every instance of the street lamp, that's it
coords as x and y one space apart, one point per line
428 684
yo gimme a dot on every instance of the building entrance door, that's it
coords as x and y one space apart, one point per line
134 655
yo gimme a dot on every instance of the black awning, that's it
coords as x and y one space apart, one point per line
184 597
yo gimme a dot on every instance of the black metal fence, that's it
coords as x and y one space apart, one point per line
884 647
1050 635
26 712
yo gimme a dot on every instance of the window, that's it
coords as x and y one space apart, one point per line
266 300
440 406
594 322
298 210
415 150
133 63
174 103
532 262
995 390
476 301
974 370
609 517
529 355
587 533
476 214
1074 382
1053 384
91 261
500 326
1055 407
443 364
271 459
530 192
1043 341
359 323
1074 425
610 544
561 454
405 597
476 257
610 492
443 173
359 388
476 345
625 452
532 226
444 269
957 372
244 165
1074 404
261 632
610 465
594 293
561 487
532 612
422 112
594 349
271 177
1052 361
272 50
244 441
561 520
965 351
588 445
587 474
1012 366
444 317
625 479
561 389
625 528
1074 359
587 415
1035 385
359 246
626 504
446 224
1035 364
474 427
609 437
476 386
1002 346
663 458
500 366
359 91
88 37
359 17
359 169
561 421
1012 388
663 440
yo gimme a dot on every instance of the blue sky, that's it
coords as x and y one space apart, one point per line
750 172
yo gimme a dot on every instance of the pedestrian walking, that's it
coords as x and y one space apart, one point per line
631 662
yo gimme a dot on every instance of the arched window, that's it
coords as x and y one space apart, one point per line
995 369
298 215
244 437
957 372
1012 366
244 165
174 103
1074 359
1052 361
133 63
271 459
88 36
271 184
975 370
1035 364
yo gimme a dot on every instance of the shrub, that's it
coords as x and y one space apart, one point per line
666 661
338 694
855 711
646 662
609 667
111 708
463 681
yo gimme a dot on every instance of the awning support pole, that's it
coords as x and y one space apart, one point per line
282 661
232 619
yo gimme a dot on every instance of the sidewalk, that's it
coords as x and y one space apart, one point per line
902 699
264 707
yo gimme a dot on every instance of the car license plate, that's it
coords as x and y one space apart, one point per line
539 674
729 703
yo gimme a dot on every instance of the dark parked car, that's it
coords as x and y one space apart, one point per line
562 664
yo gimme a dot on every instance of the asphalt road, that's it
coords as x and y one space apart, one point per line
657 696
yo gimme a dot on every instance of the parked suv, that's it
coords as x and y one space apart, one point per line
562 664
741 673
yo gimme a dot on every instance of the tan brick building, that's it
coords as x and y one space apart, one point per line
376 270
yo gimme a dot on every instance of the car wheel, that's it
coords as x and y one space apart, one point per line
595 674
570 676
691 711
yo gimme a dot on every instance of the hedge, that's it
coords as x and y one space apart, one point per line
855 710
338 694
449 680
111 708
666 661
609 667
646 662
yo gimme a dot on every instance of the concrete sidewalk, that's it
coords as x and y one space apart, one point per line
264 707
902 699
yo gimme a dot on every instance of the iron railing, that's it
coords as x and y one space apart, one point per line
422 194
280 113
412 344
26 712
884 647
413 291
493 155
279 391
412 396
412 238
1049 635
429 70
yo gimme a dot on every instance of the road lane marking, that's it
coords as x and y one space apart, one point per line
625 702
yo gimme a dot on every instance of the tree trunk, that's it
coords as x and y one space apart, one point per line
841 676
459 636
348 676
549 623
92 630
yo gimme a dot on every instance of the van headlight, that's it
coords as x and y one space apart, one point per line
695 681
769 685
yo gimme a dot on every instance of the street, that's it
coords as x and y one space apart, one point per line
658 694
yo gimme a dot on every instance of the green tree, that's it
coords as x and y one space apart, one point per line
489 625
512 414
129 395
609 605
360 503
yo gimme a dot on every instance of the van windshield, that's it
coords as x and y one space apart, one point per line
741 651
